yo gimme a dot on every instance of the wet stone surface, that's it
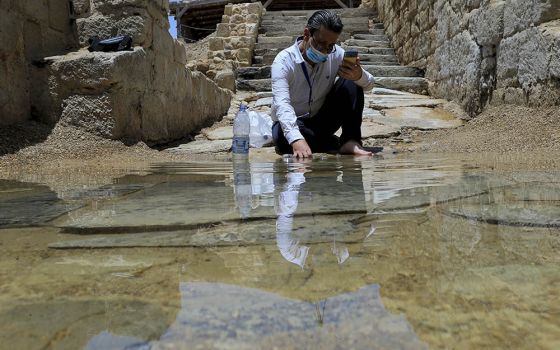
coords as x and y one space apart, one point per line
29 204
420 118
334 252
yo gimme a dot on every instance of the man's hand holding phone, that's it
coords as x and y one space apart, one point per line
350 68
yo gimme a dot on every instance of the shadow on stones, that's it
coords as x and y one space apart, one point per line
21 135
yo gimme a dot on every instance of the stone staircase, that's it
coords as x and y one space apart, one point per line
362 31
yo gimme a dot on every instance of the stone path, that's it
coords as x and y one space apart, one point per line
394 108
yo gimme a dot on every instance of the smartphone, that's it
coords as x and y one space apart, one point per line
350 55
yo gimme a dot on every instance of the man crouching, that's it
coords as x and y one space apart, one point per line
309 103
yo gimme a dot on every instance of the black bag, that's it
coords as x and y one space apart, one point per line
118 43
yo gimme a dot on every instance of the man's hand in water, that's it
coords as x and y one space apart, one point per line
301 149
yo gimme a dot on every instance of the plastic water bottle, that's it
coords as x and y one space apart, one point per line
241 167
241 130
242 186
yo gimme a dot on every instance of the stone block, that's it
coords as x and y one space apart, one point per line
92 113
162 42
252 18
487 23
228 10
81 7
229 54
226 80
55 42
448 23
239 42
551 31
139 27
216 44
524 58
37 11
236 19
521 14
138 95
212 54
243 55
252 29
255 8
14 101
96 72
222 30
59 15
33 39
179 52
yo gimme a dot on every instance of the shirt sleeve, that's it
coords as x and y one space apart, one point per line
281 99
367 81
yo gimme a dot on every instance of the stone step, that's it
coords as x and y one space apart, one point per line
246 73
366 59
274 39
265 52
367 43
393 71
297 29
254 85
375 63
266 57
412 84
377 32
273 44
377 25
379 58
371 50
258 61
267 37
371 37
249 73
274 16
343 13
416 85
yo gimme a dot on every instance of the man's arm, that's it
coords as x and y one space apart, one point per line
284 110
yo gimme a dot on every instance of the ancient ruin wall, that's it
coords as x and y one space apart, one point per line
480 51
233 43
29 31
145 94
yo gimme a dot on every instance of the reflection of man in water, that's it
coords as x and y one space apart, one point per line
288 244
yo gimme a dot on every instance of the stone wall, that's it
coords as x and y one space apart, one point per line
480 51
145 94
233 43
29 30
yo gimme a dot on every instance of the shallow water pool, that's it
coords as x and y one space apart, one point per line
329 253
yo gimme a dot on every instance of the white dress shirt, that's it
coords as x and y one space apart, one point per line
290 89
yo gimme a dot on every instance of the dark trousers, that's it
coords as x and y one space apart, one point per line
343 107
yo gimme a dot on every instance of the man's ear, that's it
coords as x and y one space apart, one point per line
306 34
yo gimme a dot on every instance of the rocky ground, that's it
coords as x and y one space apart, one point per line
33 149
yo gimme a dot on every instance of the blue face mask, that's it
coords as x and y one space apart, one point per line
316 56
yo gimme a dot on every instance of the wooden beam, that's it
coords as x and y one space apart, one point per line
182 12
341 4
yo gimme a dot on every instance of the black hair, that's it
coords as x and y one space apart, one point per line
326 18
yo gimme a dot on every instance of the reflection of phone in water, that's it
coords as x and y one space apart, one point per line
350 55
